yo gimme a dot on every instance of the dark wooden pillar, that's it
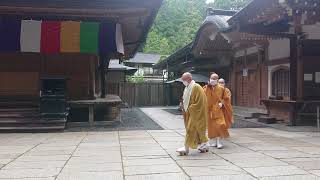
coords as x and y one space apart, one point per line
102 60
92 77
259 66
293 67
296 78
300 72
233 83
104 64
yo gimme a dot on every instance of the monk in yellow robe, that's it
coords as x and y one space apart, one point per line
227 106
217 124
195 116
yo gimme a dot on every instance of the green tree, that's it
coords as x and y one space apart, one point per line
178 22
136 79
175 26
157 44
229 4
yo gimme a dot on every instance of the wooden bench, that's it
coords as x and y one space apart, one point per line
110 100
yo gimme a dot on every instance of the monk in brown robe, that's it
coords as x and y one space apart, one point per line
218 126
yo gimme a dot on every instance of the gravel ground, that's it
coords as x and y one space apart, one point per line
131 119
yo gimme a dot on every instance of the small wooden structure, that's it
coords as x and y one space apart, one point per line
144 63
85 72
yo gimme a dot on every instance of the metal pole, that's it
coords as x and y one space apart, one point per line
318 118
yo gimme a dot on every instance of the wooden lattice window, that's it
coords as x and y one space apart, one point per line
281 82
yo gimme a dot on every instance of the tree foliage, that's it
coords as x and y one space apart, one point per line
229 4
135 79
178 22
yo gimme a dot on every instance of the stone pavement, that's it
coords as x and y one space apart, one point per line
260 153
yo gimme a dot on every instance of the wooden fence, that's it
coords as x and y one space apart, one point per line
139 94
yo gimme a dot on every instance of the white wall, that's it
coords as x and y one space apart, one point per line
250 50
279 49
313 31
270 70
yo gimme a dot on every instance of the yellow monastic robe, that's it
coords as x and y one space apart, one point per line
217 125
196 118
227 108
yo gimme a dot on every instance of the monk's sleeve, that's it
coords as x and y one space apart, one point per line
227 95
196 99
228 111
198 109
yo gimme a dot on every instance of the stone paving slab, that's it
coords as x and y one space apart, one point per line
28 173
5 161
202 163
35 165
93 167
27 158
213 170
96 159
289 154
151 155
266 154
258 162
225 177
275 171
148 162
154 169
309 150
305 163
115 175
165 176
315 172
50 178
294 177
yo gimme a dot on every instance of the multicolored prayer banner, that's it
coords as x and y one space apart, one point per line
52 37
9 35
30 36
89 37
70 37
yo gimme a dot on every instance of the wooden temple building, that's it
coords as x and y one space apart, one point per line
270 54
55 54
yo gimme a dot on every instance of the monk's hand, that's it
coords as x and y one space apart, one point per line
220 105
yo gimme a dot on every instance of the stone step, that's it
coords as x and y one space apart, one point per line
31 125
32 129
19 115
14 110
267 120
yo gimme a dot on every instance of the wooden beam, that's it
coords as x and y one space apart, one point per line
80 13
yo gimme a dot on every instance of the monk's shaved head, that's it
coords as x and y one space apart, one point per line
214 76
187 77
222 81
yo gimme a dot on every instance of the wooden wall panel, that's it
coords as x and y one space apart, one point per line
27 62
21 73
77 69
311 88
19 84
